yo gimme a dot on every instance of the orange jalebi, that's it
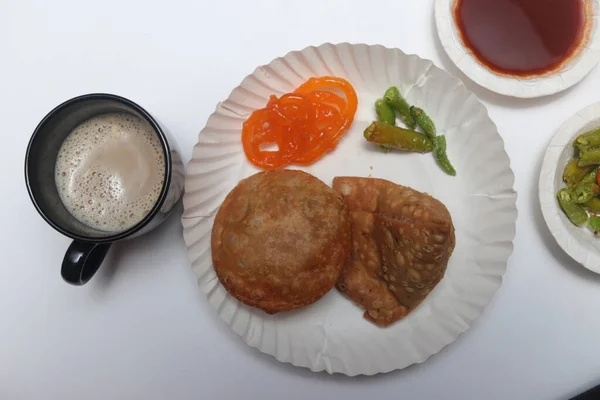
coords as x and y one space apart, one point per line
304 125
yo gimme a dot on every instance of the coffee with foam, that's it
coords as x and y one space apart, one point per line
110 171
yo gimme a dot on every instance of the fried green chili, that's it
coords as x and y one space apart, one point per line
393 97
439 152
385 112
398 138
424 121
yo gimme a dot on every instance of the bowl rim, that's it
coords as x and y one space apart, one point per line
547 188
576 69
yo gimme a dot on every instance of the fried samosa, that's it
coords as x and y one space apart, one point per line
401 243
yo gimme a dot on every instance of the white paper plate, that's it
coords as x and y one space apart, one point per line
331 334
579 243
572 73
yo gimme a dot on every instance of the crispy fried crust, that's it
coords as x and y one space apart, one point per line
280 240
402 240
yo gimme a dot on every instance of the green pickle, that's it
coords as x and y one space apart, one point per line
585 192
594 223
589 156
398 138
385 112
573 173
587 140
593 205
572 210
393 97
590 177
581 177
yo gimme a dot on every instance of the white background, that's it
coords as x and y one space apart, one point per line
141 329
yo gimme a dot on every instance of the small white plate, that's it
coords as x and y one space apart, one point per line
569 75
579 243
332 334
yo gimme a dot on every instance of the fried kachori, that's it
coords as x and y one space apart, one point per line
401 243
280 240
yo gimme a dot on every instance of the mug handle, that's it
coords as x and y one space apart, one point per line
82 260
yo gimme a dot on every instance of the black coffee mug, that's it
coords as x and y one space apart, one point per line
90 245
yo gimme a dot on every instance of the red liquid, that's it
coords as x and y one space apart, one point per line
521 37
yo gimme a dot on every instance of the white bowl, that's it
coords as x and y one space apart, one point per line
331 334
569 75
579 243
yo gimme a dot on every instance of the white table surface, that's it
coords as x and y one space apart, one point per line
141 329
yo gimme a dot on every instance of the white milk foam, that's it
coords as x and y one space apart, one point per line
109 171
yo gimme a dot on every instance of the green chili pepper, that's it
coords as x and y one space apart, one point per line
439 152
572 210
593 205
398 138
573 173
594 223
393 97
585 192
385 112
589 139
424 121
589 157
